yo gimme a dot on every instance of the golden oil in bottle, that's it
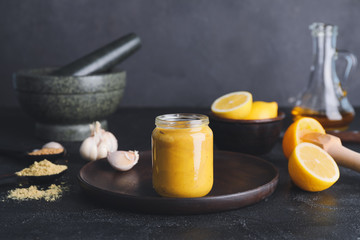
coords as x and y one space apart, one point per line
340 125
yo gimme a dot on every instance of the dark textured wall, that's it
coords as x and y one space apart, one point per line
193 51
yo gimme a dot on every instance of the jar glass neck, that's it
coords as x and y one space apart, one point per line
181 120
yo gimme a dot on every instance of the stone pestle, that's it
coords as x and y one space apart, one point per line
102 59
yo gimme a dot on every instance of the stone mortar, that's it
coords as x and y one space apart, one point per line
64 106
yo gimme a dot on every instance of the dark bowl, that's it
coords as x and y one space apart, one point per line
246 136
64 106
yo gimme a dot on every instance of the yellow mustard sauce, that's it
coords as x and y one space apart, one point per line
183 160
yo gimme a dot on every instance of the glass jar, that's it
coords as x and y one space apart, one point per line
182 155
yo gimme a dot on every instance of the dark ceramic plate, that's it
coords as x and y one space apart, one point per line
239 180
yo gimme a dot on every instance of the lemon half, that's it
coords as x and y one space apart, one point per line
235 105
311 168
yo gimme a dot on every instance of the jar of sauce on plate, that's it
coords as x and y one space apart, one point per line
182 155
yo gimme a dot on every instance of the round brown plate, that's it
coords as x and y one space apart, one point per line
239 180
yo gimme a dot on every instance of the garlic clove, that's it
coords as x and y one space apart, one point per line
53 145
102 150
88 149
123 160
109 139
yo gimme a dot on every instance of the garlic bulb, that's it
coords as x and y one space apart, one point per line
99 144
123 160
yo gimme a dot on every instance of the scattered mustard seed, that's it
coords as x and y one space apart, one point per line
42 168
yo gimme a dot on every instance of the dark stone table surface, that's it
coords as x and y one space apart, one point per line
289 213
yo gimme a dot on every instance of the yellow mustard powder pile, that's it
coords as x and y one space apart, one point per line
42 168
51 194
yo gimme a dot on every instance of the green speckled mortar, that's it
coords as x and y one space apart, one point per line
64 106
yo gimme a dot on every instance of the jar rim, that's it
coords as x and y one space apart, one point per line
181 120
